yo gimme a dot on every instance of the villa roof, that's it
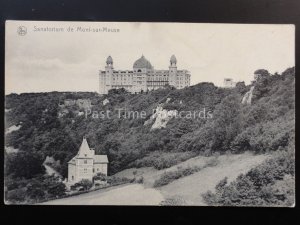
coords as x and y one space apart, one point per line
100 159
86 153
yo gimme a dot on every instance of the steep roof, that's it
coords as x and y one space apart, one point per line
100 159
86 152
72 161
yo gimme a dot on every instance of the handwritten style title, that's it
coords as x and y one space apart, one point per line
76 29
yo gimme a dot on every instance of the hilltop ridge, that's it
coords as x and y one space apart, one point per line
50 127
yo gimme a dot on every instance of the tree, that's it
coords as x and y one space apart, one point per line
86 184
226 124
24 164
53 186
100 177
261 73
16 195
241 87
35 190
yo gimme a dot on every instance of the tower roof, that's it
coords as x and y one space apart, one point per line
109 60
84 145
173 59
84 150
142 63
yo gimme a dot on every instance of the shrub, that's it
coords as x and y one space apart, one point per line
140 180
162 160
100 177
16 195
57 189
212 162
112 180
174 201
24 164
85 184
170 176
269 184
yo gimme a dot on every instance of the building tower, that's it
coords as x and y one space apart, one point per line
106 76
108 73
173 71
141 68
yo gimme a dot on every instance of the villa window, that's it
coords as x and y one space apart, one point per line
85 161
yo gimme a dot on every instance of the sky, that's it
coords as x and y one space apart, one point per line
43 61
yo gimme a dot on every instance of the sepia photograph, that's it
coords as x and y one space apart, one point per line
149 113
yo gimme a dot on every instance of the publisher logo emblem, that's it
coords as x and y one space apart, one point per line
22 30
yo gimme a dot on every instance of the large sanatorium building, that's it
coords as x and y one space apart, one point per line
143 77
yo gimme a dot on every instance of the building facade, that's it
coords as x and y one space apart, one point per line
142 77
229 83
85 165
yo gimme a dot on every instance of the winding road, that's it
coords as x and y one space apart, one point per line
130 194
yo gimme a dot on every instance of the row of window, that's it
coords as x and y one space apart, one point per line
85 170
152 75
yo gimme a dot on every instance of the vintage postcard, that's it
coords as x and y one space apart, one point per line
130 113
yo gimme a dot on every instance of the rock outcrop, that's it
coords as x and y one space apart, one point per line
161 117
248 96
105 101
12 129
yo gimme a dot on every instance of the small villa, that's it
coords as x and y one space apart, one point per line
86 164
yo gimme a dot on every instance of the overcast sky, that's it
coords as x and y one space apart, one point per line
70 61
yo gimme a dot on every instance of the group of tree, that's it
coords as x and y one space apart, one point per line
265 125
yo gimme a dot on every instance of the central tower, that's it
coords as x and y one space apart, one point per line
141 69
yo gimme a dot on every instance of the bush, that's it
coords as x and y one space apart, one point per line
57 189
16 196
85 184
24 164
100 177
162 160
270 184
212 162
140 180
112 180
170 176
174 201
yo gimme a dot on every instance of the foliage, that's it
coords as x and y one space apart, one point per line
16 195
168 177
270 184
100 177
174 201
33 190
160 160
85 184
24 164
113 180
268 124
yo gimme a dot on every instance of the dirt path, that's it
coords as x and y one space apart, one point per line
191 187
131 194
